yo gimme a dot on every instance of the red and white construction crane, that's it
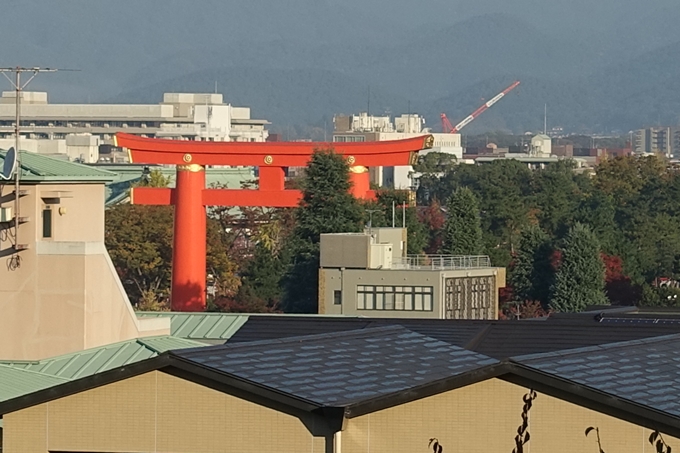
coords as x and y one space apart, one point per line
446 124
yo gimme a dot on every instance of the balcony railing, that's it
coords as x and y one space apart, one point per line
441 262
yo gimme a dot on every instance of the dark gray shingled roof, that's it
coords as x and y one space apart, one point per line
642 371
497 339
341 369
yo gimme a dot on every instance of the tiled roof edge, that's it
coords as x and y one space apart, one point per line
310 338
600 347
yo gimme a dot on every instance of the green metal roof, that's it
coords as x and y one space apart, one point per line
15 382
38 167
233 177
103 358
202 326
127 174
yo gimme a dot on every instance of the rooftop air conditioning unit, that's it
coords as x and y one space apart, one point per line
381 256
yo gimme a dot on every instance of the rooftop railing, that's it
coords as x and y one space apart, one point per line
441 262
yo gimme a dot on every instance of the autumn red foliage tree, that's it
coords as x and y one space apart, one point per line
619 287
433 219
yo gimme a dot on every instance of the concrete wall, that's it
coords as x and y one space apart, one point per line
82 146
27 97
91 111
37 146
240 113
64 295
346 281
398 237
215 121
351 250
158 412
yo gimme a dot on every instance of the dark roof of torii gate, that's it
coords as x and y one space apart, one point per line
278 154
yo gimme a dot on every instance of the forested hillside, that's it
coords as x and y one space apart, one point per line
600 66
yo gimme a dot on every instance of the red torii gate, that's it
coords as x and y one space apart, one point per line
190 196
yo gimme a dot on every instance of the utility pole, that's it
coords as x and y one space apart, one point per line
18 89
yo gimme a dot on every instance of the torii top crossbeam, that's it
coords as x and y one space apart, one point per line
279 154
190 195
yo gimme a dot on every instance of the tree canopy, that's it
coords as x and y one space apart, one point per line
531 221
326 207
462 230
530 270
580 279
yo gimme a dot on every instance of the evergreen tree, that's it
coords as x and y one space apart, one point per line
531 273
463 231
262 277
579 281
556 195
326 207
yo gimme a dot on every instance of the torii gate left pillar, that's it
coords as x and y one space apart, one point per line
188 254
190 196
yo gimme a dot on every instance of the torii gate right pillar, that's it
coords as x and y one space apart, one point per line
361 183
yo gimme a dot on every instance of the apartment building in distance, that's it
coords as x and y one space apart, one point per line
84 132
366 128
369 274
657 140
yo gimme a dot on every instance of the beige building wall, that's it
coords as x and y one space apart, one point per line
484 417
157 412
347 281
62 294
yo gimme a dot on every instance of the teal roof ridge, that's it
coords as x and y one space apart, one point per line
152 343
202 326
101 358
36 373
39 167
17 382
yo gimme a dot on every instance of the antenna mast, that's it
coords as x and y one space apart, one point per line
18 88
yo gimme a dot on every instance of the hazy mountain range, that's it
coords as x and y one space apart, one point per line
599 65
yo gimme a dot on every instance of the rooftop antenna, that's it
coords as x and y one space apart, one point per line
409 116
545 119
18 88
368 106
393 206
370 221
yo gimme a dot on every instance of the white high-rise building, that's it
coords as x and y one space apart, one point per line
404 126
81 131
